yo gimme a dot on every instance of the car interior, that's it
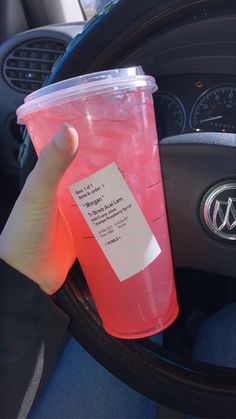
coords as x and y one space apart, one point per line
189 46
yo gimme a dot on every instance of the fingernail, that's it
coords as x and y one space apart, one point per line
67 138
61 138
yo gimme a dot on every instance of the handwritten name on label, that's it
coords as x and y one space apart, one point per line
116 220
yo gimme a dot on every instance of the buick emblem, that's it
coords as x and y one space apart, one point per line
219 211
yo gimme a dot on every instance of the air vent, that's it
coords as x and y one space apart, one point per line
29 64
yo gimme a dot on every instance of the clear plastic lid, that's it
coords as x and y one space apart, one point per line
83 86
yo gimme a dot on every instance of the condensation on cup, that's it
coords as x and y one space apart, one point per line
112 194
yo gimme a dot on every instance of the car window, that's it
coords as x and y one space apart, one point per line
92 7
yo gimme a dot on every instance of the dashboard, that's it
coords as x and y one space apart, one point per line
195 102
196 78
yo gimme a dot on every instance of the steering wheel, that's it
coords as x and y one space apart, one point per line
198 171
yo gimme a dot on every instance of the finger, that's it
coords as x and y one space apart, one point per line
54 160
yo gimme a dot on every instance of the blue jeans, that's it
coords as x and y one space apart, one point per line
215 342
80 388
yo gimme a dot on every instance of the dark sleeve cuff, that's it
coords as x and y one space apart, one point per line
32 331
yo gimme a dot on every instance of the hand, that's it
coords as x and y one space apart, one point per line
36 239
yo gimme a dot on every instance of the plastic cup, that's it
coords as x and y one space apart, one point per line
112 195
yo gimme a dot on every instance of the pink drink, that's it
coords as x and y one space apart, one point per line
117 126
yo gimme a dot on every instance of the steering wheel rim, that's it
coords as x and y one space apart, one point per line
175 381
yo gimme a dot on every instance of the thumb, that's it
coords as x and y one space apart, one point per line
54 160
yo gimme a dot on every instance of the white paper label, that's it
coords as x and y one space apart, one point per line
116 221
